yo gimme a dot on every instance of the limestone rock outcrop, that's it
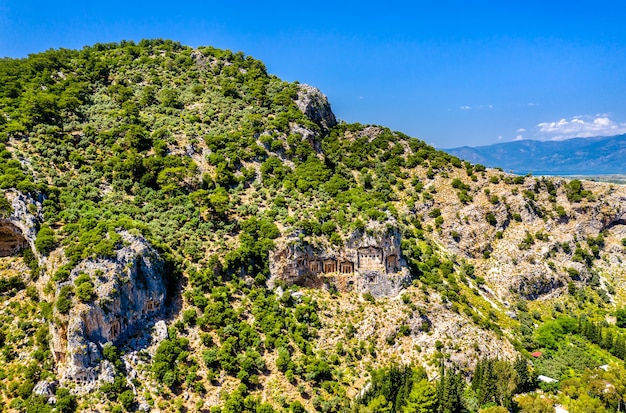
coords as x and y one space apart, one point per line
371 261
315 106
19 229
129 296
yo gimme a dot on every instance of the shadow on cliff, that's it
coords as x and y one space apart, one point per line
175 283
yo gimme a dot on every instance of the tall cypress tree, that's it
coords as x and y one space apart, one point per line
478 375
487 388
525 382
450 391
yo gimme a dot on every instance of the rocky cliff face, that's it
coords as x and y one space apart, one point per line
371 261
314 104
19 230
129 297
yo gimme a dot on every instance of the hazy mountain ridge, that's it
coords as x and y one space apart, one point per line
578 156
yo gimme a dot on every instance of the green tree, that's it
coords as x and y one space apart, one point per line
621 317
394 384
84 288
525 381
379 405
45 241
283 361
450 390
127 399
533 403
422 399
169 98
6 208
64 300
169 359
172 179
484 381
549 335
66 402
575 191
219 200
494 409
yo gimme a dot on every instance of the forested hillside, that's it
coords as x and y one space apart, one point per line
182 231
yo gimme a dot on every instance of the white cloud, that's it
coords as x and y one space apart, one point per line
465 107
519 138
500 137
581 127
520 130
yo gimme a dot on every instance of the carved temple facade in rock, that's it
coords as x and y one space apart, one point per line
367 259
366 264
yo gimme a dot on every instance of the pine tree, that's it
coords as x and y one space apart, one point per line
422 399
394 384
505 382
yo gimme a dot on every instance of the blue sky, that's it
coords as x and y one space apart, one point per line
451 73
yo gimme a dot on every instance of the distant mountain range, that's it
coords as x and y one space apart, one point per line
578 156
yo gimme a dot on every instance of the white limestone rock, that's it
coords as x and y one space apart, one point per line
315 106
160 332
45 388
130 295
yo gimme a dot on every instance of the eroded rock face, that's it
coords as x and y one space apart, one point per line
315 106
130 294
370 262
19 230
12 241
26 213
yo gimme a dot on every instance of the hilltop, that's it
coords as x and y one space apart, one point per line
183 231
